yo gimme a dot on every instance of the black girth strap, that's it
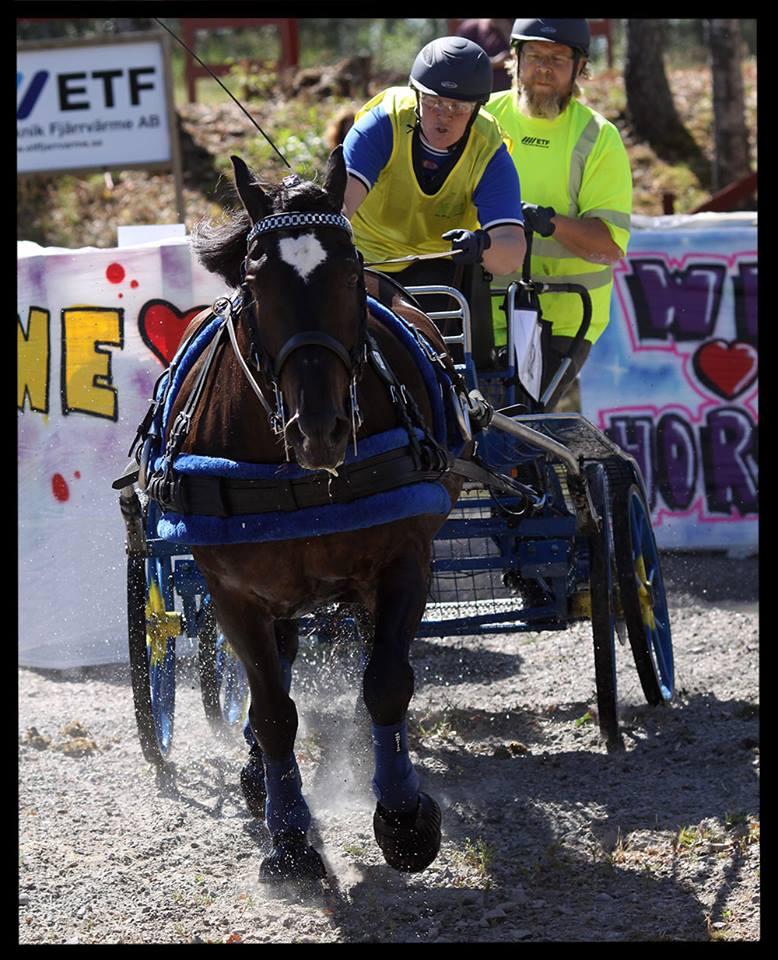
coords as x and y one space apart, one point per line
226 497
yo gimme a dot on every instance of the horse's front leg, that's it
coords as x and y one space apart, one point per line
273 719
252 775
406 820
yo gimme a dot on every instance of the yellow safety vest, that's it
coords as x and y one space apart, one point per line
396 218
578 165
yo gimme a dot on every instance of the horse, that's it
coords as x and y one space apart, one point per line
311 373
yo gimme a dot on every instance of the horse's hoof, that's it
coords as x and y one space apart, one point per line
292 859
252 783
409 842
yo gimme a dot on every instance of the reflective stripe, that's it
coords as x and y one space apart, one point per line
589 280
549 247
578 160
619 219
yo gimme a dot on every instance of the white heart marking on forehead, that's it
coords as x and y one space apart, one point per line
303 253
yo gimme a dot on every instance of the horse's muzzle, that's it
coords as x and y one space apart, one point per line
319 443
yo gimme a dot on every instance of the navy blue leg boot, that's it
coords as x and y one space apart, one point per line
406 821
288 818
252 776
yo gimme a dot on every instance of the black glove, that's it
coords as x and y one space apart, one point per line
538 219
471 243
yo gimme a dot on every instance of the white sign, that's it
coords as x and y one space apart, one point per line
95 328
524 334
92 106
129 235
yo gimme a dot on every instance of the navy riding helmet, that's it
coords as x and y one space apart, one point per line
454 68
572 33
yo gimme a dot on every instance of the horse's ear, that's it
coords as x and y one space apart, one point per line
251 194
335 176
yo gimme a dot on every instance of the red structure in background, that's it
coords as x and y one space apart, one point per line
731 197
288 36
598 28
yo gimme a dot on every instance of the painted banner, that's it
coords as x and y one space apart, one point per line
95 328
674 378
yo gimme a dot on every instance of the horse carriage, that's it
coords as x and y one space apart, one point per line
550 523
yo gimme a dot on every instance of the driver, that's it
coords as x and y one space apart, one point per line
429 172
576 176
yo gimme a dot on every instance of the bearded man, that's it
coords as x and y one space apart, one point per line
575 179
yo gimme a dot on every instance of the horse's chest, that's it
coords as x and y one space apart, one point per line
292 577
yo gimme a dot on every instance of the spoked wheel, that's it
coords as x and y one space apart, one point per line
603 588
642 588
152 627
223 682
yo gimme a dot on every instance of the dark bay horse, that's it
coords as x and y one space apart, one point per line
305 326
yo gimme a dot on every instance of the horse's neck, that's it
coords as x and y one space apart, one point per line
230 421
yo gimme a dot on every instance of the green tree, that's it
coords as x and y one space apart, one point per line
729 115
650 105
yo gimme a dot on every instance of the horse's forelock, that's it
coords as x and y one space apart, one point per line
304 197
221 247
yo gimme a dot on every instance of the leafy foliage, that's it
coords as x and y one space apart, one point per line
83 210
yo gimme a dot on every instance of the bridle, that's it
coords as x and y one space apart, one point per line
270 368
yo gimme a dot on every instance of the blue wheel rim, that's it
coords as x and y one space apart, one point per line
232 683
161 659
651 592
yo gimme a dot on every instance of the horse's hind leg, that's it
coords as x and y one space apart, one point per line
273 718
406 821
252 776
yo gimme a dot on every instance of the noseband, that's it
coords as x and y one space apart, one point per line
271 369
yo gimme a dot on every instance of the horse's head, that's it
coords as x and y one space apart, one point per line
308 313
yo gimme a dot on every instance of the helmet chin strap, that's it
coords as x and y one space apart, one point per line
576 60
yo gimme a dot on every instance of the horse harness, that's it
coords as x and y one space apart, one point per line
424 457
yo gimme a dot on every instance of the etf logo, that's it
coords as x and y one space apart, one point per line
31 94
74 94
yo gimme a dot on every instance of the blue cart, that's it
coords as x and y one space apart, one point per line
566 538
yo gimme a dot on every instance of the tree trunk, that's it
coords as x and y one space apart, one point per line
650 103
729 115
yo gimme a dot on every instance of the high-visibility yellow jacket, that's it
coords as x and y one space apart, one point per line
578 165
396 218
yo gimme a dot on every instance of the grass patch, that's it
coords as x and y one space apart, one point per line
440 727
477 856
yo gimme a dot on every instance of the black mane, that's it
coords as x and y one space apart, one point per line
221 246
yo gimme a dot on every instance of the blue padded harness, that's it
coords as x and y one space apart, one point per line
343 513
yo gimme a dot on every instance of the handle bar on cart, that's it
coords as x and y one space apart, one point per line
482 414
586 300
537 287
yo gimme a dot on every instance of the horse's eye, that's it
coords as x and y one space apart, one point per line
352 280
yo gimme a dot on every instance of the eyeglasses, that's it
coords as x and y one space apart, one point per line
538 59
458 108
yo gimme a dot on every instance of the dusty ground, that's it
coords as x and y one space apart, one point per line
547 837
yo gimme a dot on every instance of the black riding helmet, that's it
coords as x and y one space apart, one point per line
454 68
572 33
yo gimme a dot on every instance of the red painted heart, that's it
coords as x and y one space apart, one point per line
161 326
727 369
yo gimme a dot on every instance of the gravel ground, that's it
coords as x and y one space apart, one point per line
546 836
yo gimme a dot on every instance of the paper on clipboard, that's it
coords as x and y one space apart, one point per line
525 336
